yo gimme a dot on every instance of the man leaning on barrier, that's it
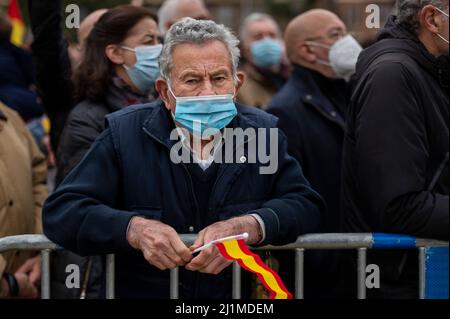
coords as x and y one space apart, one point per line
130 198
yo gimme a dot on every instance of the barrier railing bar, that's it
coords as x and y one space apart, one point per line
26 242
45 277
299 273
236 281
174 284
362 264
110 277
421 272
313 241
360 242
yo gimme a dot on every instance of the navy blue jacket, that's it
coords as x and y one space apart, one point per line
16 78
311 111
128 172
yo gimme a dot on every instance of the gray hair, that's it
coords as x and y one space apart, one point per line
408 12
166 13
189 30
256 17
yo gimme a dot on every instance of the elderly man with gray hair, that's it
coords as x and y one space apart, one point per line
132 195
264 63
173 10
396 149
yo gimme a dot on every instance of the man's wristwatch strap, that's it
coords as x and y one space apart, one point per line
12 283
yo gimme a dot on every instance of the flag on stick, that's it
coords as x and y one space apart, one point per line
235 249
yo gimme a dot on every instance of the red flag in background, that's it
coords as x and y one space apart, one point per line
18 25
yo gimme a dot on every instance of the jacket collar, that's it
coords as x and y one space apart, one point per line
311 94
159 125
266 78
395 38
120 95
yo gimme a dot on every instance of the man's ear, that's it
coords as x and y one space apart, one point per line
114 54
163 90
241 77
428 18
305 53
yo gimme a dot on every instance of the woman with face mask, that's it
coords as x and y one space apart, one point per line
119 68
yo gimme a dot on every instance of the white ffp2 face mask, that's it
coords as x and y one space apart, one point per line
342 57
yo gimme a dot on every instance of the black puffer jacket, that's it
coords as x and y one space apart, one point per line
51 59
395 165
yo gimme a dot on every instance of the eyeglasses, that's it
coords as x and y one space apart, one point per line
333 36
441 11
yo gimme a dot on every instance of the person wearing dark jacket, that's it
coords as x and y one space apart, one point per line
311 109
17 76
53 61
113 74
395 165
119 69
133 195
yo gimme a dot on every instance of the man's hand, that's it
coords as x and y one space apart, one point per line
28 277
32 269
161 245
210 261
27 289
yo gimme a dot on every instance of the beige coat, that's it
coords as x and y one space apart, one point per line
23 190
255 91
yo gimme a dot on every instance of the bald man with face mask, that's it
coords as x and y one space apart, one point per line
311 109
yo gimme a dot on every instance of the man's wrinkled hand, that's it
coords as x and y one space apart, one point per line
161 245
32 269
210 261
27 290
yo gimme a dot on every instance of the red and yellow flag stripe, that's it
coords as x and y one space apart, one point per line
18 24
237 250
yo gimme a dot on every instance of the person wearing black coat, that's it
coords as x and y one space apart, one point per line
55 58
17 76
311 109
395 164
52 64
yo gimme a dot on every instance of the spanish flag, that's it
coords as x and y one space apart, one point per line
18 25
237 250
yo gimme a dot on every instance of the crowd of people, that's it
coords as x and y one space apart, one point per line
361 145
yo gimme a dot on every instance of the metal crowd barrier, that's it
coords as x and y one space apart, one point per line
359 242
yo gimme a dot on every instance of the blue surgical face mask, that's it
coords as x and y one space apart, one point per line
204 116
267 53
146 70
